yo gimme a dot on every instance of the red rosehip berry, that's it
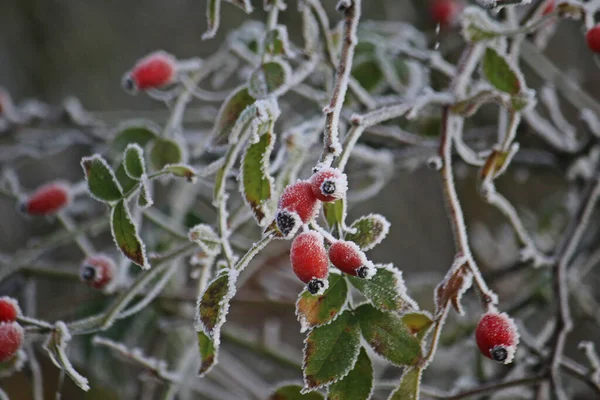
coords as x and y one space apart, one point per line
309 261
445 12
9 309
329 184
156 70
497 337
97 271
11 340
297 205
593 39
47 199
349 258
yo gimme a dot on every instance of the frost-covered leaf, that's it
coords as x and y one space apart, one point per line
124 180
133 161
164 152
310 30
145 198
213 304
229 113
370 231
388 335
243 4
457 281
418 323
330 351
494 163
277 42
385 290
56 346
335 212
477 25
213 18
314 310
208 353
500 73
268 78
206 238
138 132
410 385
358 384
256 183
101 180
126 235
182 171
294 392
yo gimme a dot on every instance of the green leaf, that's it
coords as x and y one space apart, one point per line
206 238
137 131
330 351
358 384
277 42
268 78
256 184
230 111
410 385
208 353
126 235
388 336
133 160
500 73
314 310
418 323
182 171
124 180
213 19
370 231
101 179
368 74
213 304
385 290
145 198
294 392
335 212
164 152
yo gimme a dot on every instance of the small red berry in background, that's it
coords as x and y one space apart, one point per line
549 7
297 205
445 12
11 340
349 258
329 184
593 39
9 309
497 337
97 271
47 199
309 261
154 71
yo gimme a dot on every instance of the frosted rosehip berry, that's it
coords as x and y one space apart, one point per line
349 258
11 340
9 309
592 38
445 12
497 337
97 271
309 261
156 70
47 199
329 184
297 205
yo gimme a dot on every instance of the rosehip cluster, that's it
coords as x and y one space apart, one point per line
154 71
48 199
299 202
97 271
497 337
11 332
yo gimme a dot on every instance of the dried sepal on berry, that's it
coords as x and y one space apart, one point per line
348 258
9 309
497 336
97 271
297 205
48 199
329 184
11 340
156 70
309 260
